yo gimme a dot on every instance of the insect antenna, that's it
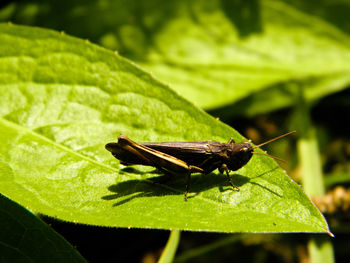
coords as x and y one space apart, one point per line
274 139
271 156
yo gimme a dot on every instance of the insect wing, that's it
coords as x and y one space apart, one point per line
190 147
126 154
194 153
152 157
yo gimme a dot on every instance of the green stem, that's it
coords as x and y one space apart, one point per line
310 163
170 248
320 247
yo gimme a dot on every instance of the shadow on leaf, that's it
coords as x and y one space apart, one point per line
262 186
169 184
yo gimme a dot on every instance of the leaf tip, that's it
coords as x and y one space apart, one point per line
330 234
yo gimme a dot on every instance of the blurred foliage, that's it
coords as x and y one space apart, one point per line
227 56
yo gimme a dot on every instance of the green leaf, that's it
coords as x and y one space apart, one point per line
283 95
62 99
217 53
211 50
25 238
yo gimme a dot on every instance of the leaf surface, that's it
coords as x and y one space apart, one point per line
63 99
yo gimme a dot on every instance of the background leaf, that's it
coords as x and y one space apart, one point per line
28 239
63 99
217 53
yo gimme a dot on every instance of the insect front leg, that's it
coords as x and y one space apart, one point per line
223 168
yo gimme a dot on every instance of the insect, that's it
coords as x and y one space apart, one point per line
187 157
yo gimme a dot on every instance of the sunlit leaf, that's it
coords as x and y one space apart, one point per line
63 99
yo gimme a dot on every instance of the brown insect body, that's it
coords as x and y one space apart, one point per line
186 157
208 155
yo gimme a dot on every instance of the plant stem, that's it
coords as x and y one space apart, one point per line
320 247
170 248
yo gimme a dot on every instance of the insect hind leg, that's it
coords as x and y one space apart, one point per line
231 141
188 182
191 169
